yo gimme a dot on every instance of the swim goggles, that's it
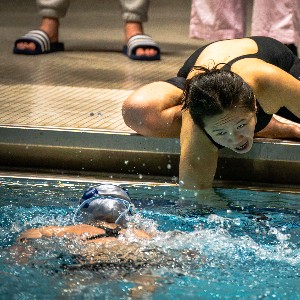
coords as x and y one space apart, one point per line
93 194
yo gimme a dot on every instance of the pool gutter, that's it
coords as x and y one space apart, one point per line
269 161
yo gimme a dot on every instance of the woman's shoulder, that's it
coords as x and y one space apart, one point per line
271 85
253 70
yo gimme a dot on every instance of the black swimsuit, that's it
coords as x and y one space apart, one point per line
270 51
109 232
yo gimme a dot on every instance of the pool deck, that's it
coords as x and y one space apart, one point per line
62 111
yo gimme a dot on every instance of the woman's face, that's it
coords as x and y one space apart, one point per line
233 129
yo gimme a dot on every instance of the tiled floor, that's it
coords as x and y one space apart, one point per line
62 106
84 86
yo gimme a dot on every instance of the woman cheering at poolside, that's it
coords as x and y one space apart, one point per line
225 94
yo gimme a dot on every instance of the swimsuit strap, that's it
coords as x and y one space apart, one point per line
109 232
228 65
259 54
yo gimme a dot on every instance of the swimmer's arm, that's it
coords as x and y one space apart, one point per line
46 231
275 88
59 231
198 157
32 233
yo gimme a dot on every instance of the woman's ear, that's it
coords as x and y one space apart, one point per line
255 116
255 102
255 107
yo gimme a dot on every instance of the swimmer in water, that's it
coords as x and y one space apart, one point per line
103 210
103 237
103 240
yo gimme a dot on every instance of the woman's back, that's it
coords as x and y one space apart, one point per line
230 51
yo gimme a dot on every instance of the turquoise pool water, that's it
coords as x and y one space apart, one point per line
246 245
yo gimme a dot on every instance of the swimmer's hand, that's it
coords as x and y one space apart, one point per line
32 233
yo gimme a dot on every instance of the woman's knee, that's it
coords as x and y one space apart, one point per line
138 114
151 109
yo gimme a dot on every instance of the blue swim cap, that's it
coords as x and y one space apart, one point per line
106 202
106 190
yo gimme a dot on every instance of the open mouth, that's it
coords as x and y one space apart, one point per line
242 147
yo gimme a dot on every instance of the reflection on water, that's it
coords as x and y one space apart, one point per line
246 245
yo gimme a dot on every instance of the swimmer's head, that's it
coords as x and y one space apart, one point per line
106 202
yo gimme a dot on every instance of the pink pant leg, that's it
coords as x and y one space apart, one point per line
217 19
277 19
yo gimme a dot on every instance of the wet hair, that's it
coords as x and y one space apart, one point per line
212 91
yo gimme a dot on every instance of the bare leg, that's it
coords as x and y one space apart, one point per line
134 28
154 110
50 26
280 128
